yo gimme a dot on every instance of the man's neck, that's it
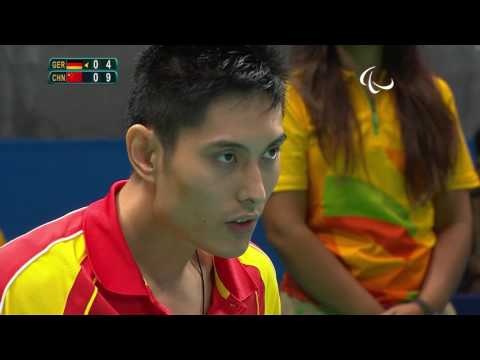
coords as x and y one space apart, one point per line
158 248
177 277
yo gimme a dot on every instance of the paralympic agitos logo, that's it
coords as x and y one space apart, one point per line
373 87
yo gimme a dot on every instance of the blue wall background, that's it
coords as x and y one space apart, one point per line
42 180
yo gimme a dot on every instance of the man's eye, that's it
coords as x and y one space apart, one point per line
273 153
227 158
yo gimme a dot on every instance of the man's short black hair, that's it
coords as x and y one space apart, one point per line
174 85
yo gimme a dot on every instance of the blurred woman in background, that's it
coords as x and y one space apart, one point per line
371 213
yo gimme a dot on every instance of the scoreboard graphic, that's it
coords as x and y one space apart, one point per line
82 71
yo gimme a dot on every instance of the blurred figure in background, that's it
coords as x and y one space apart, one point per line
372 213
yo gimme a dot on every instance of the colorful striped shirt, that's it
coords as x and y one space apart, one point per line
365 219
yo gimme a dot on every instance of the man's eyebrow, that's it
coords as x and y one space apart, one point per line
278 141
230 144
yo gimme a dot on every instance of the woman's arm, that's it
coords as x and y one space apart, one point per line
453 227
311 264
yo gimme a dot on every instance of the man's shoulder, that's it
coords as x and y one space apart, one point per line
43 252
259 264
256 257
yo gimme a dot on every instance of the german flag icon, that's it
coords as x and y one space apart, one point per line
74 65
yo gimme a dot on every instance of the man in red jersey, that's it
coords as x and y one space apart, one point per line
174 238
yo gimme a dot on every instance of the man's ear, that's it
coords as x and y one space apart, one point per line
143 150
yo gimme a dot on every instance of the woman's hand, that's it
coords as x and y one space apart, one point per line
405 309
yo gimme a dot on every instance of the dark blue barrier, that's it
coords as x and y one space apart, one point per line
473 150
42 180
467 304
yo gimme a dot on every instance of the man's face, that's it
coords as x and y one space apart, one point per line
221 174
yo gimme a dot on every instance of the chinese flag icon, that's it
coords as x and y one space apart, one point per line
74 77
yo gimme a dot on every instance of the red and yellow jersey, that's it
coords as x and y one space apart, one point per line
81 264
365 218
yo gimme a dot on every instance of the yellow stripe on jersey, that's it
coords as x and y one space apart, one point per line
42 285
257 258
223 291
90 302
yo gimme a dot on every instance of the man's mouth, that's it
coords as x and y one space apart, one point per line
243 224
